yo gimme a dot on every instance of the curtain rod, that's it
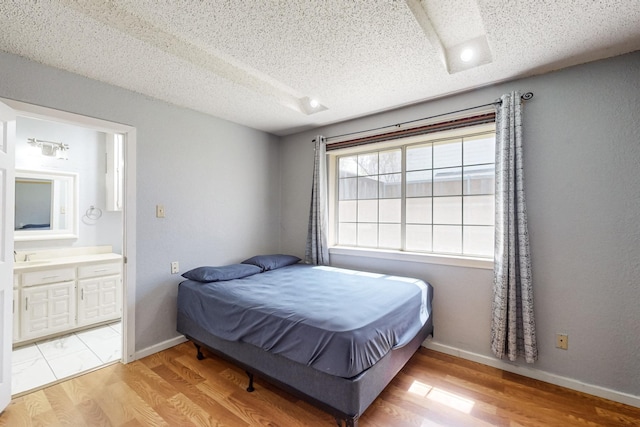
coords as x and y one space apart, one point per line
524 97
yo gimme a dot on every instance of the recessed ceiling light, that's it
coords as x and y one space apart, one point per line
466 55
310 105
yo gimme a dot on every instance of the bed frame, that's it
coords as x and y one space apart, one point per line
344 398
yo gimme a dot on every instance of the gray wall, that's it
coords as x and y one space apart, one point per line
218 181
582 169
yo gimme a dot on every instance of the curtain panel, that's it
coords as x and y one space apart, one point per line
513 331
317 251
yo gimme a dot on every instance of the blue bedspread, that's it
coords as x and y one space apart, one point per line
338 321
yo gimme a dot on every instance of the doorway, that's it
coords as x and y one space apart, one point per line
124 329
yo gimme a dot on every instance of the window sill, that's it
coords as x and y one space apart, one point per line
391 255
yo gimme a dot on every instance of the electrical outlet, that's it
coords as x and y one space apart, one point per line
562 341
175 267
159 211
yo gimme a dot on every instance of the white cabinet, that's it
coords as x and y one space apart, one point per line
99 290
47 309
50 275
55 299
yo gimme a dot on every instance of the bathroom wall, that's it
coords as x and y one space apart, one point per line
87 159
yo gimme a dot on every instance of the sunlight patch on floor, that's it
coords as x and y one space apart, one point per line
444 397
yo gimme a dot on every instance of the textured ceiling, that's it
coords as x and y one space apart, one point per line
258 62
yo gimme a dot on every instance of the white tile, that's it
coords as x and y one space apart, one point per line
57 347
116 327
109 349
31 374
96 334
26 353
74 363
104 342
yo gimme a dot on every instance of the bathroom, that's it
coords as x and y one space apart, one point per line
68 244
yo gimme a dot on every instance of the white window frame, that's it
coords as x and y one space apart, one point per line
388 254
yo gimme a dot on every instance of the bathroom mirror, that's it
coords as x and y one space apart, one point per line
46 205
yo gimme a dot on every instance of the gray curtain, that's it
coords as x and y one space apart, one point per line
513 331
317 251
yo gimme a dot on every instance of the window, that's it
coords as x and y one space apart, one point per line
432 194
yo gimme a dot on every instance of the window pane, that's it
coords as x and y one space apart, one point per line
367 164
348 166
447 239
479 149
442 203
419 183
367 188
347 234
479 179
390 161
479 210
368 235
447 154
390 210
447 210
390 185
367 211
419 210
347 210
447 182
348 189
390 236
418 238
419 157
478 241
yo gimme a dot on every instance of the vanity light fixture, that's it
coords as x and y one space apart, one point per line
50 148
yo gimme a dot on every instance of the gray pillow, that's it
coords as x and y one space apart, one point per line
271 262
216 274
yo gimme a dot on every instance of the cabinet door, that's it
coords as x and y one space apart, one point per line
47 309
98 299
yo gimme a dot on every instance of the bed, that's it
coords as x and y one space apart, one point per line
334 337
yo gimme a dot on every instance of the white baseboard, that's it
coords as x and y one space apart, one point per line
159 347
536 374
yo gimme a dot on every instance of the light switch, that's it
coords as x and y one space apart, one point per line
159 211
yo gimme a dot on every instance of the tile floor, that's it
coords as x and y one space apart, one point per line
50 360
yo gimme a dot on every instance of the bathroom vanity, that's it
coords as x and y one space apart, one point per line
59 291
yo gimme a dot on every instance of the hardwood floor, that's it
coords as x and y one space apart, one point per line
173 388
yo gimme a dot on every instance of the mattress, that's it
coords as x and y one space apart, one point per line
338 321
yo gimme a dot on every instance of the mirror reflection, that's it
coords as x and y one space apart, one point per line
33 204
45 205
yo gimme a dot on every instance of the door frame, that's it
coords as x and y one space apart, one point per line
7 178
129 209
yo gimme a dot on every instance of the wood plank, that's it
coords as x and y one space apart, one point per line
174 388
63 407
36 403
93 414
